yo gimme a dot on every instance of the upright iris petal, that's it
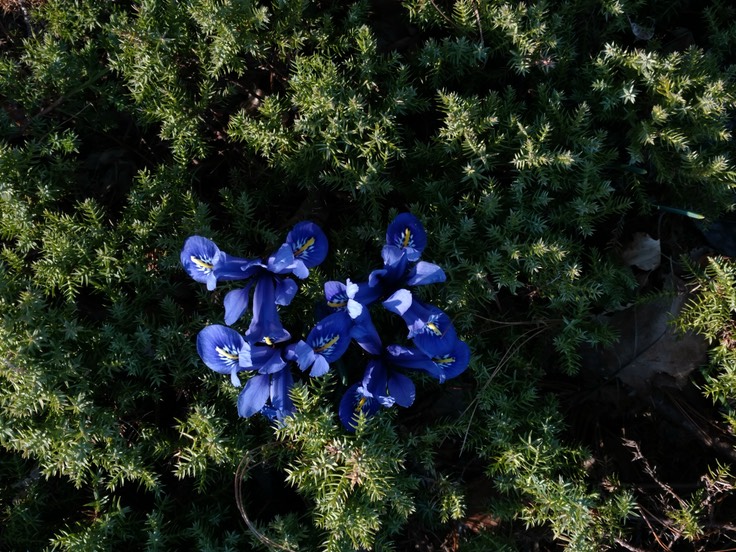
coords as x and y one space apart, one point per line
406 233
264 358
395 264
265 326
342 297
206 264
221 349
326 343
285 291
236 302
365 334
283 262
424 273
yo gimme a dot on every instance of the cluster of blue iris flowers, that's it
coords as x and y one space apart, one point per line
267 350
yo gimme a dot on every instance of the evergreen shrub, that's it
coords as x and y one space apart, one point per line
524 135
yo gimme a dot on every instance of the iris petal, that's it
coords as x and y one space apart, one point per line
206 264
254 395
304 355
424 273
236 302
366 335
281 261
443 367
300 269
228 268
197 257
320 366
266 360
331 336
219 347
286 289
402 389
393 256
406 232
265 325
281 404
336 294
399 302
308 243
460 356
410 357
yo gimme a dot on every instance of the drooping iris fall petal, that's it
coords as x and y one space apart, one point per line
406 233
326 343
444 364
221 349
308 243
279 404
197 257
254 395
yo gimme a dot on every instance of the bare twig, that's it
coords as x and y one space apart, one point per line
634 446
627 546
645 514
439 11
476 11
240 474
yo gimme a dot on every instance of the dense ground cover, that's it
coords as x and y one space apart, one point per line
571 162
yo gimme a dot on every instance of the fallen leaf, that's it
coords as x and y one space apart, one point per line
649 347
643 252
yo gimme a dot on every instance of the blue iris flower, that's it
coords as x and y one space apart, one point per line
326 343
405 242
206 264
441 359
381 387
306 247
226 352
263 349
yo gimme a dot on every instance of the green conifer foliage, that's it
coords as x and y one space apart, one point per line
521 134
